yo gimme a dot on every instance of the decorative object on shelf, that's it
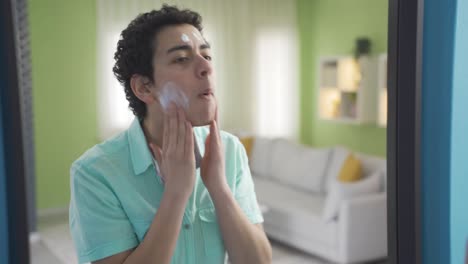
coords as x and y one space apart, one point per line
349 75
347 86
361 52
382 90
363 47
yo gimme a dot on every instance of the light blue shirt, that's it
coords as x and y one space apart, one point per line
116 192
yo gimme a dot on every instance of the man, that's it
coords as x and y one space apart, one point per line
139 196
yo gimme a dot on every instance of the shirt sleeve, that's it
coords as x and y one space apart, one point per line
98 224
245 189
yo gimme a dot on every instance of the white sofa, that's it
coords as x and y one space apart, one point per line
292 183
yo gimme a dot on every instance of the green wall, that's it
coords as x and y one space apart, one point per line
63 43
330 27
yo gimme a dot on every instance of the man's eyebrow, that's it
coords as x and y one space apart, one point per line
188 47
205 46
179 47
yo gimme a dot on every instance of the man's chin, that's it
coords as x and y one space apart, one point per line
202 122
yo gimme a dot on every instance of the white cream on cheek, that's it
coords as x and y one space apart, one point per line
170 92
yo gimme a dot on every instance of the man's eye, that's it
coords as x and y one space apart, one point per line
207 57
181 59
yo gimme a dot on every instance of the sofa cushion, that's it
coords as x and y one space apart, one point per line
294 212
343 191
247 141
351 170
260 160
277 195
337 158
298 166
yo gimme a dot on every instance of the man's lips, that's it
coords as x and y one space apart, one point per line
207 93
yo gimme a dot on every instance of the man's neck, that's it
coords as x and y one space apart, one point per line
153 129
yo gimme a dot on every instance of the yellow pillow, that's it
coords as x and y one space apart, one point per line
351 170
248 144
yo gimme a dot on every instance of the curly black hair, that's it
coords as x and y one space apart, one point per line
136 47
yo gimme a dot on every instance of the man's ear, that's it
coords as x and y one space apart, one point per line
141 87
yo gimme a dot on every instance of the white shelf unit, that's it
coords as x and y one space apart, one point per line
382 90
345 93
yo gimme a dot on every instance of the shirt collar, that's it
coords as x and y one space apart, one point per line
139 150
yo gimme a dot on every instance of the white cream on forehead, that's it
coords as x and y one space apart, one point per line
185 38
170 92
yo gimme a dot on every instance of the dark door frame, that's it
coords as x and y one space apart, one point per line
15 177
404 130
403 135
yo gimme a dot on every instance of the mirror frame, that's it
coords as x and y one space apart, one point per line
403 134
14 172
404 130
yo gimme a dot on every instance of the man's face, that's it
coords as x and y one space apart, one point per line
183 73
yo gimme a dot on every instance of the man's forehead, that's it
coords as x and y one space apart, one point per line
174 30
177 35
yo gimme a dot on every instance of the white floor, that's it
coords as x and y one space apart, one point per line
55 246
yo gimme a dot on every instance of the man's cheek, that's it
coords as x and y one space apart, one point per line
170 92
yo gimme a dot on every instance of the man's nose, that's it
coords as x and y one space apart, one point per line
204 68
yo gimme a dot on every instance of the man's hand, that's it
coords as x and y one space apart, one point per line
212 164
176 160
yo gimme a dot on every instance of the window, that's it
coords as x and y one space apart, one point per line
276 84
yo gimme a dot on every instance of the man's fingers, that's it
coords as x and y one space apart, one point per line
172 144
218 132
208 144
214 132
216 119
216 113
181 132
189 139
157 154
153 149
166 132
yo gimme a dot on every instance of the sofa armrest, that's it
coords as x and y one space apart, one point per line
362 228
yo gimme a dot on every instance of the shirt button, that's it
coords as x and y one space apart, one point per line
186 226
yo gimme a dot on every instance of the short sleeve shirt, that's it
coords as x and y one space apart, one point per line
116 192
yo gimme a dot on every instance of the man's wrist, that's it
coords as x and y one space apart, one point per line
176 195
219 190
